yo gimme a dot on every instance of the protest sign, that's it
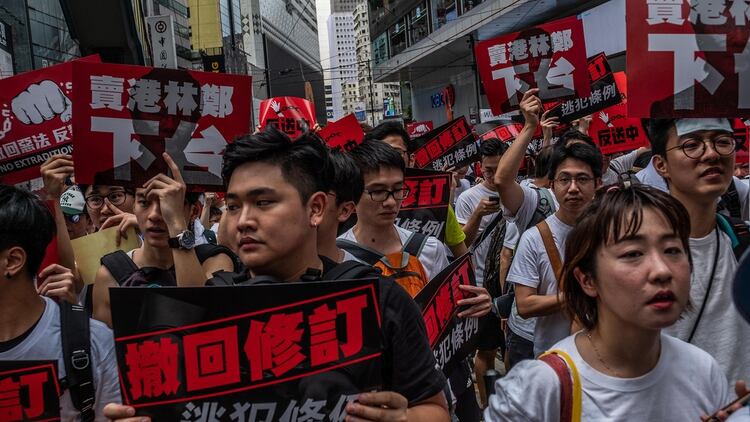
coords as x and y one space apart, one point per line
426 208
126 116
90 249
450 145
35 121
290 115
29 391
603 93
267 351
417 129
344 133
612 129
684 55
451 338
551 57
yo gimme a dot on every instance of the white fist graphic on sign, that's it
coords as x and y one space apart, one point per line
40 102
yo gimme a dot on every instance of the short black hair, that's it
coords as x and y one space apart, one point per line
575 135
658 134
542 161
214 212
583 152
304 162
348 183
25 222
492 147
386 129
372 155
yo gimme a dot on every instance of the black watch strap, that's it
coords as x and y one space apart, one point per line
174 242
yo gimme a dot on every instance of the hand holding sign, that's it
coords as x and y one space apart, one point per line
40 102
380 406
55 172
531 107
170 192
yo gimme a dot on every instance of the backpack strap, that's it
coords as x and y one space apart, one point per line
208 250
76 352
415 243
545 206
570 384
120 265
360 252
731 201
551 248
351 270
738 232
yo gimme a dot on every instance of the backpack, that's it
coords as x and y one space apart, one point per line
408 272
76 354
730 202
348 270
738 232
571 392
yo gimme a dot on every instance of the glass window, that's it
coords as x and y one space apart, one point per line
380 48
470 4
419 23
445 11
398 36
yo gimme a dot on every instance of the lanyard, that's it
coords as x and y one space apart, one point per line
708 289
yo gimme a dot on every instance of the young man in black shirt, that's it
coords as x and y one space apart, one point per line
277 195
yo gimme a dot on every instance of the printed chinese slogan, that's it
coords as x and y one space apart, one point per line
450 145
451 338
35 121
345 133
613 130
290 115
417 129
125 117
426 208
701 51
243 353
551 57
29 391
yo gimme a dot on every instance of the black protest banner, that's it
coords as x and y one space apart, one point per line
426 208
278 351
452 338
450 145
604 93
29 390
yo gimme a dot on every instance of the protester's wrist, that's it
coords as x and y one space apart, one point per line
176 228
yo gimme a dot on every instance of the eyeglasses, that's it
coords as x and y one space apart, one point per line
694 148
116 198
381 195
73 219
580 181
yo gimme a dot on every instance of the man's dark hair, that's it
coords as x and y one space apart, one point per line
348 183
386 129
582 152
373 155
304 163
214 212
575 135
658 134
542 161
492 147
25 222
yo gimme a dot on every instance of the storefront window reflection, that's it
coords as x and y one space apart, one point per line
419 23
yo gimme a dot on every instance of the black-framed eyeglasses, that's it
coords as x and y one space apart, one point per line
565 181
116 198
381 195
695 147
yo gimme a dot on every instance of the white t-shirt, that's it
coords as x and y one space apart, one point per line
521 326
619 166
721 331
463 186
525 212
43 343
742 415
685 384
531 267
433 257
465 206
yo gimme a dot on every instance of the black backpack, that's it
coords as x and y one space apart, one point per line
730 202
348 270
76 354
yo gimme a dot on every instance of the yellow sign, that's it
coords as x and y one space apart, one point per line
90 249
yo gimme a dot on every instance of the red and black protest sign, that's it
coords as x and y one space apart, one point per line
613 130
344 133
604 93
29 391
426 208
417 129
551 57
291 115
35 121
264 350
741 131
450 145
451 338
125 117
684 55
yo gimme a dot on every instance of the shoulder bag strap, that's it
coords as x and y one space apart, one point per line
120 265
552 252
487 231
366 255
570 384
415 243
76 348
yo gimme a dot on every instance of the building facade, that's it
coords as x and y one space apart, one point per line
343 69
180 13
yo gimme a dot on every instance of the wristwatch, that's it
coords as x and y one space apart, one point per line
184 240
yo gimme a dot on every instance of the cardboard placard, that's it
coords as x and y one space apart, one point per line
612 129
89 250
290 115
417 129
344 133
450 145
29 390
426 208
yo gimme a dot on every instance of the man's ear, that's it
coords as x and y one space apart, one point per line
660 165
345 211
12 261
316 207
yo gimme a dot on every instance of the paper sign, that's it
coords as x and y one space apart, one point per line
551 57
426 208
613 130
344 133
688 58
450 145
290 115
29 390
91 248
417 129
126 116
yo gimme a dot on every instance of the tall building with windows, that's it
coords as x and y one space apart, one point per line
180 13
343 63
217 33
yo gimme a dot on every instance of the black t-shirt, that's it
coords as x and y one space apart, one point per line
408 362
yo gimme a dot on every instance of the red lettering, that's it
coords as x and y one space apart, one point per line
211 358
10 400
434 149
460 130
152 368
35 383
274 345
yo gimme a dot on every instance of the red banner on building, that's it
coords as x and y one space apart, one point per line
35 121
688 58
613 130
290 115
29 391
125 117
426 208
450 145
344 133
551 57
417 129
